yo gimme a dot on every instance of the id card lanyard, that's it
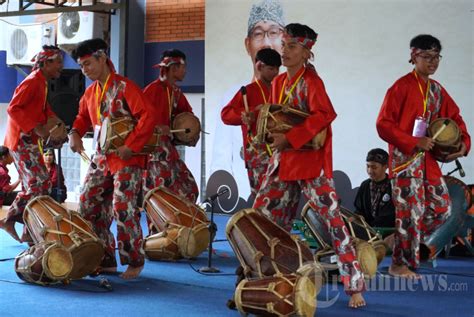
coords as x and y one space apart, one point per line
99 102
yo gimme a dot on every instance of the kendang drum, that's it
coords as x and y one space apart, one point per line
48 221
262 247
44 263
283 295
447 141
168 211
369 246
57 132
186 129
281 118
114 132
163 246
458 223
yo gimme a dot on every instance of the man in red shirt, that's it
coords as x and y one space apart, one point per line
164 167
111 189
420 194
7 195
293 169
28 113
256 157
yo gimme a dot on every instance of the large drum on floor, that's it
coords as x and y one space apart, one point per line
44 263
168 211
457 224
262 247
448 141
281 118
48 221
283 295
369 245
163 246
187 127
114 132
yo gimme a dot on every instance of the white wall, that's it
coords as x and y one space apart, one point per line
363 47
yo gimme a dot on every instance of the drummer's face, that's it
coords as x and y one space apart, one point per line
376 171
92 66
427 62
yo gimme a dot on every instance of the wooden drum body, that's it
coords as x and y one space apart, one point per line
169 212
44 263
48 221
448 141
281 118
114 132
187 127
264 248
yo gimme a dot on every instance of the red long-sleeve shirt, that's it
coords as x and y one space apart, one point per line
403 103
129 101
167 99
231 114
308 95
27 109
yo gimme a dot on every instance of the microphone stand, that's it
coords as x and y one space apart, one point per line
212 232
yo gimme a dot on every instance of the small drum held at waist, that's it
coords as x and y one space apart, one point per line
186 129
114 132
448 138
57 132
281 118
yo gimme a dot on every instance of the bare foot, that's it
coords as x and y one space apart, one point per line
403 271
9 227
356 300
131 272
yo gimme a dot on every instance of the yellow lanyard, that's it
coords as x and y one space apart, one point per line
99 101
291 90
45 95
425 98
170 100
265 100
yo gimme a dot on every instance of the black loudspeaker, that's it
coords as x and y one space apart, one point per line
64 94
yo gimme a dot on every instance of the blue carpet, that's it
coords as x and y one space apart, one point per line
176 289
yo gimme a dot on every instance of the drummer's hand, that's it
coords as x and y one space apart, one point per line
75 143
164 129
124 152
425 144
280 142
42 131
248 118
460 153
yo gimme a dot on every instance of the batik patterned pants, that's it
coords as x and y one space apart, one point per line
421 206
256 163
33 174
276 199
105 196
165 168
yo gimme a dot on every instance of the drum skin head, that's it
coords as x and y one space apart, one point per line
305 297
59 262
367 258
